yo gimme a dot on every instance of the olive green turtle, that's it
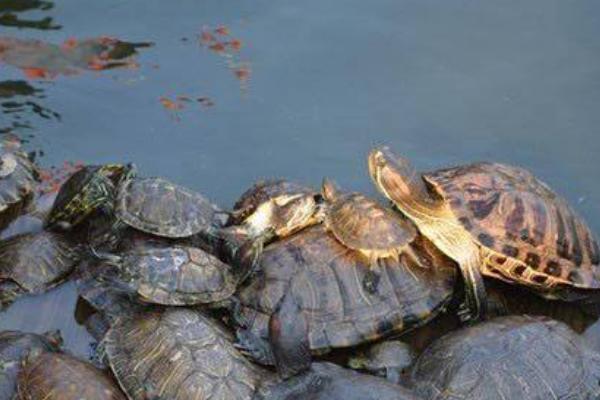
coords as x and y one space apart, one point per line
35 262
88 190
14 348
517 357
496 220
58 376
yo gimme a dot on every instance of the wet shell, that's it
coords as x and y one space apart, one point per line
509 211
509 358
18 179
361 223
34 263
178 354
327 278
162 208
56 376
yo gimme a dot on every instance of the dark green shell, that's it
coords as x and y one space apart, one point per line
162 208
517 357
177 275
178 353
35 262
327 279
87 190
14 347
57 376
262 192
18 180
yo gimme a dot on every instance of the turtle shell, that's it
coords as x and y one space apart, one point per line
35 262
509 211
56 376
517 357
260 193
84 192
178 353
18 179
177 275
361 223
162 208
326 277
14 347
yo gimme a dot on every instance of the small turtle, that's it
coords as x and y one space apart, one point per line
280 205
174 275
14 347
496 220
326 279
178 353
90 189
518 357
390 359
18 180
57 376
162 208
34 263
361 224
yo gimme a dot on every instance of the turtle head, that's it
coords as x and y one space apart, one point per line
395 177
330 190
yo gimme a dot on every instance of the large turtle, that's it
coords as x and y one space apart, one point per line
362 225
496 220
88 190
162 208
35 262
14 347
518 357
170 275
58 376
18 179
325 278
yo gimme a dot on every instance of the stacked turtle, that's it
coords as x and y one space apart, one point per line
192 302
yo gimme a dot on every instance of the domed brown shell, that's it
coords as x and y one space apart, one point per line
56 376
178 353
511 212
519 357
162 208
327 279
361 223
262 192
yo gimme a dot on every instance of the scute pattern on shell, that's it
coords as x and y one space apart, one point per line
517 357
178 354
327 279
162 208
37 261
56 376
361 223
17 187
179 275
510 211
261 192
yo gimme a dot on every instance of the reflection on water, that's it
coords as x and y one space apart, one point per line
9 17
17 103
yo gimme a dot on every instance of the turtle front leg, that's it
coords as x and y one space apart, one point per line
474 307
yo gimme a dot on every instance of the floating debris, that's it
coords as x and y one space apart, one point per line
53 177
179 102
41 60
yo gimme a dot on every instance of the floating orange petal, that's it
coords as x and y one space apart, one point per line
222 30
217 47
207 37
235 44
36 73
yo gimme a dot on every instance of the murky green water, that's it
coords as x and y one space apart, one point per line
442 82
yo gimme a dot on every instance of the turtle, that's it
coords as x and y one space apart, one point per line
32 263
170 275
363 225
496 220
325 278
91 189
14 347
516 357
390 359
18 181
178 353
59 376
163 208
